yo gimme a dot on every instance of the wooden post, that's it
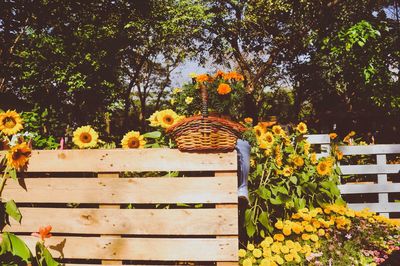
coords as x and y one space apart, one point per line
220 206
382 179
108 206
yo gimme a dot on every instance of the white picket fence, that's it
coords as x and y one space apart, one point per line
381 186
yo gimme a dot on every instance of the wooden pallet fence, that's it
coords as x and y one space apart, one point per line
381 169
101 230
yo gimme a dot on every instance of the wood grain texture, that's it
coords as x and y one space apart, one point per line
370 169
221 221
124 190
119 160
148 249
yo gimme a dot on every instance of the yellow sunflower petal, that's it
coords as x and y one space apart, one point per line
10 122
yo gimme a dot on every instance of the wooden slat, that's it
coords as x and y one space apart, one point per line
236 221
318 138
370 149
130 221
376 207
369 188
124 190
149 249
370 169
118 160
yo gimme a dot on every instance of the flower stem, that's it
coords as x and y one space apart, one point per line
3 180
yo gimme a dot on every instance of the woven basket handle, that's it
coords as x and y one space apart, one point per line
204 99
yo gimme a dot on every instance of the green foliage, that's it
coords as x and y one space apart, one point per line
286 176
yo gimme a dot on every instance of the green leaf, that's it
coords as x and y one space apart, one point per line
12 173
293 179
264 193
13 211
43 256
275 201
152 135
250 227
282 190
264 219
13 244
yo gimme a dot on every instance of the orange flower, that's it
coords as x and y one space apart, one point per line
219 74
332 135
44 232
18 156
233 75
248 120
224 88
203 78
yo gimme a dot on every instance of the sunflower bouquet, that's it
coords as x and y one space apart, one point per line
225 94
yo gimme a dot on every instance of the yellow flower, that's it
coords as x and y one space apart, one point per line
309 228
223 89
284 249
267 252
167 118
332 135
269 240
321 232
172 101
307 146
257 253
192 75
247 262
277 130
250 247
297 259
289 244
298 161
258 130
289 257
279 259
153 119
302 128
279 237
323 168
316 224
314 237
18 156
287 171
189 100
276 247
287 231
279 225
85 137
176 91
242 253
266 140
133 140
313 158
305 236
10 122
297 228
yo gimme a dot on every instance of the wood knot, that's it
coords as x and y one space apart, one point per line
62 155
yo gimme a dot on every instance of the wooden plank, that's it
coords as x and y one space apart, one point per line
124 190
318 138
113 176
130 221
377 207
383 198
370 149
147 249
369 188
118 160
236 221
370 169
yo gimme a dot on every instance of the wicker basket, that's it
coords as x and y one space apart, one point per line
205 133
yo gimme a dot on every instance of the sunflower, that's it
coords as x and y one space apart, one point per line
153 119
259 131
167 118
223 89
302 128
10 122
18 156
85 137
298 161
266 140
287 171
323 168
332 135
133 140
277 130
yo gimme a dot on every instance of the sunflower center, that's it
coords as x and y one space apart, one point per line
85 137
322 167
133 143
258 132
168 119
9 122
